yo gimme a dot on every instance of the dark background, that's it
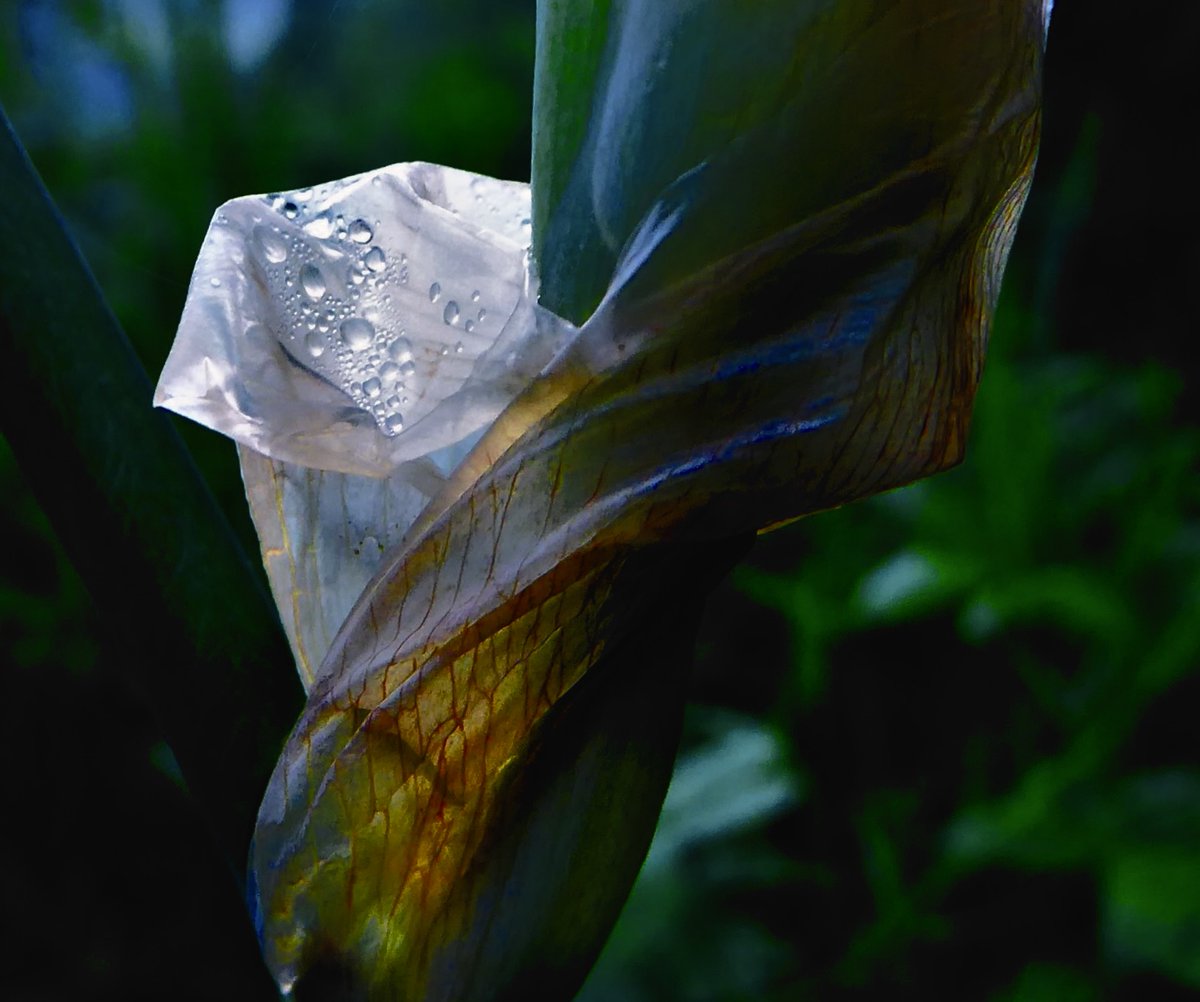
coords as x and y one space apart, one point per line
943 743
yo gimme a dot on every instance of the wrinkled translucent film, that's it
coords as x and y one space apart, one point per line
362 323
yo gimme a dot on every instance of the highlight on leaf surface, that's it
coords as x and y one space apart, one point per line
781 237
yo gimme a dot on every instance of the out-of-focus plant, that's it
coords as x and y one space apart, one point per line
781 239
987 704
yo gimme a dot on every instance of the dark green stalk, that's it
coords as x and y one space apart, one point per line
571 39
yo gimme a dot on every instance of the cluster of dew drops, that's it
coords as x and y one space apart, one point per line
360 346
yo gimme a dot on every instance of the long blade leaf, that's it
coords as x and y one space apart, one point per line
195 631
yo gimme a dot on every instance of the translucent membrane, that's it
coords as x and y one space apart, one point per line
352 338
363 323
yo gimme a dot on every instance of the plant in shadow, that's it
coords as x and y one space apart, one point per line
763 258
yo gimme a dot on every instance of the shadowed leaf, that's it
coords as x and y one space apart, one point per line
197 633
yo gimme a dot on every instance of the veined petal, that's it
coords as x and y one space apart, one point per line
796 297
738 127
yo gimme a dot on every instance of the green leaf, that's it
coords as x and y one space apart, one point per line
1152 910
193 628
571 36
739 780
1048 983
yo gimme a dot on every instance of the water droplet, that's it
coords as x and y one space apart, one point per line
458 348
290 209
357 333
400 350
450 313
312 281
389 372
272 245
408 368
356 277
360 231
375 259
469 326
475 296
372 387
435 292
482 315
395 423
320 226
391 403
215 282
316 344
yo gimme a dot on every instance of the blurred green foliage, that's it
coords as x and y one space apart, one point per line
942 742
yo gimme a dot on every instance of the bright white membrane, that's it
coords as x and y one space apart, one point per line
351 338
363 323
